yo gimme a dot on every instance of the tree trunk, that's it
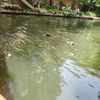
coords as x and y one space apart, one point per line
23 3
89 8
50 2
73 4
18 2
35 2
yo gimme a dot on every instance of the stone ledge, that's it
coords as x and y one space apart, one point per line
45 14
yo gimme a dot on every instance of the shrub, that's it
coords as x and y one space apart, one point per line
89 13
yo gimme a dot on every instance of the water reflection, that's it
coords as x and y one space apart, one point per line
77 84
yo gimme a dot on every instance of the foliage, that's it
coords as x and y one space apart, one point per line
61 1
87 7
98 3
45 5
90 13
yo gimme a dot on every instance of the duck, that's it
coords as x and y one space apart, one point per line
47 34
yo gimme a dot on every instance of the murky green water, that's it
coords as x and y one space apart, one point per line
46 58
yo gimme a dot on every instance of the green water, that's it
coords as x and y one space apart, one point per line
46 58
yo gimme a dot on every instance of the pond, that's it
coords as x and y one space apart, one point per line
49 58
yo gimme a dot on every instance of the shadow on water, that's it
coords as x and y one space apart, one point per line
4 78
7 28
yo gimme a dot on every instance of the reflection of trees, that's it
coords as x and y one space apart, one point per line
11 32
96 58
89 45
17 29
96 61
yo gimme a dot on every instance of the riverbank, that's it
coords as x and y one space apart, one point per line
46 14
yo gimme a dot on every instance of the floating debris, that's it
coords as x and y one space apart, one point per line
71 43
9 55
71 54
47 34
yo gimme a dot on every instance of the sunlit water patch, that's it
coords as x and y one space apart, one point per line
77 84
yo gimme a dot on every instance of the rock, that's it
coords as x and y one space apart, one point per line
10 6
